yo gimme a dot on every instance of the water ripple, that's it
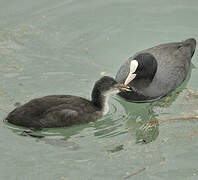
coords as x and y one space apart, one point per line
112 124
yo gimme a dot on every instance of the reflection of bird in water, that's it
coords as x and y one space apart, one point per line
143 122
147 132
138 116
66 110
148 127
155 72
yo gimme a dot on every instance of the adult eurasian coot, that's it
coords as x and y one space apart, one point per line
154 72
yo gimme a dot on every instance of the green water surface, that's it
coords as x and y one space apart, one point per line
63 47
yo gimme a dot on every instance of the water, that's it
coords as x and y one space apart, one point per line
62 47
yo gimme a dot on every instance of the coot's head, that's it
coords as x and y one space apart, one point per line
108 86
103 89
142 66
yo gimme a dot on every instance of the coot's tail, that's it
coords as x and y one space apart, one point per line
192 43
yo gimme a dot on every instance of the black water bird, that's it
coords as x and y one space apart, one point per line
66 110
155 72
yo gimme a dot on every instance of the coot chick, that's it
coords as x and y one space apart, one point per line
66 110
154 72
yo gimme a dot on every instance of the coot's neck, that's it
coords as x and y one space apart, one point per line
100 101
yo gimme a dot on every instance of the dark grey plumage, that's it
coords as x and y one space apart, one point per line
65 110
172 65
